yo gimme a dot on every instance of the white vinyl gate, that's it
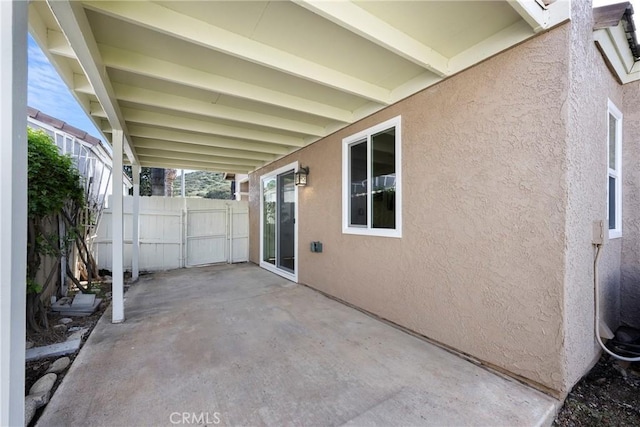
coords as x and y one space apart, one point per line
179 232
216 233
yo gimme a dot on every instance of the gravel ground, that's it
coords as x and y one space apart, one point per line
37 368
608 396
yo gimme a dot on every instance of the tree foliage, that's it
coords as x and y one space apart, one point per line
209 185
53 179
55 195
145 179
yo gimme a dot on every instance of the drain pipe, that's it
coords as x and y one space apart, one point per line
599 242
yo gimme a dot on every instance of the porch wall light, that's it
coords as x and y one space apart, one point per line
301 176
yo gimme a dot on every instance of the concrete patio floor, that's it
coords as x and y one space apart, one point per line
237 345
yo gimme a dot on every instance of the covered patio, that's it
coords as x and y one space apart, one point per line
227 87
237 345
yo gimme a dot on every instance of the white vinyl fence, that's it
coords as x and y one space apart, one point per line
179 232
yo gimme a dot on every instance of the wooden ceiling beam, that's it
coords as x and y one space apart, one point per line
183 147
181 104
163 134
148 66
357 20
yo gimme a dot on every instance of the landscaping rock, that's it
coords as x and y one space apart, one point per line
59 349
65 320
64 301
77 335
627 334
59 365
30 407
44 384
81 305
60 328
83 300
39 399
620 369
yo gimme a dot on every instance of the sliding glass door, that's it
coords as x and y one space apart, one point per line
278 222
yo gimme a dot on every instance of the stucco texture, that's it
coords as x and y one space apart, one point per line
630 268
591 85
480 265
504 171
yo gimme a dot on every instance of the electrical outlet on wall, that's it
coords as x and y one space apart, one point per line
600 232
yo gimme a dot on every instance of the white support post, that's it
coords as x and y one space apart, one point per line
230 211
118 230
135 231
13 209
183 232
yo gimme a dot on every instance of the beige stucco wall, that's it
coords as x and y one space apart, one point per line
630 269
504 171
480 266
591 85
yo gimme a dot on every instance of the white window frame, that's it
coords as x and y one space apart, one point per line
612 110
366 134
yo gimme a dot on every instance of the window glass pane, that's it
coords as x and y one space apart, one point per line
286 221
60 142
612 203
612 141
82 165
269 220
358 183
383 181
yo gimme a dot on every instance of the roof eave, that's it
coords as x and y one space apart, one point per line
615 37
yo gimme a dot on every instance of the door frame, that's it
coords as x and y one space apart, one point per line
267 266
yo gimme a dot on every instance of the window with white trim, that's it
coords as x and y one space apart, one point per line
371 177
614 167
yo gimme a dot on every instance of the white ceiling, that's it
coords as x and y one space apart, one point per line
231 85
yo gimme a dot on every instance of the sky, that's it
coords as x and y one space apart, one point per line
49 94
